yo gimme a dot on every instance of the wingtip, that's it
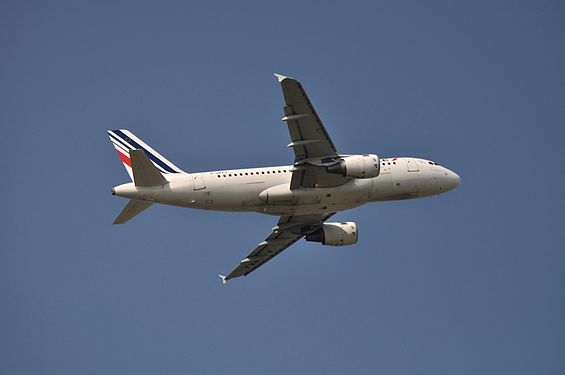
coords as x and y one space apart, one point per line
224 281
280 77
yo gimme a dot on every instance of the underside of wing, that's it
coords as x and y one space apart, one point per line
288 230
309 138
312 145
310 176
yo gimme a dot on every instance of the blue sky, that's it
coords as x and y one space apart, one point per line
468 282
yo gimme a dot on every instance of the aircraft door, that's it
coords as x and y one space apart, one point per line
412 165
198 181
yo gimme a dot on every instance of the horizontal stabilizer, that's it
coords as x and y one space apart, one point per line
145 174
131 210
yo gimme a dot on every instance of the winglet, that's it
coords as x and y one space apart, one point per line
224 281
280 77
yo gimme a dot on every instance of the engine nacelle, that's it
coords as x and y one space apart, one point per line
335 234
357 166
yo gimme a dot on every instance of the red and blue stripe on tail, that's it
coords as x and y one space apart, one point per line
124 141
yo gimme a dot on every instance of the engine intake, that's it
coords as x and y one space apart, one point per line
357 166
335 234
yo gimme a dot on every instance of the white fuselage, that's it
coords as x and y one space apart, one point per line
267 190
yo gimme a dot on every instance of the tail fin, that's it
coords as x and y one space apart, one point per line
124 141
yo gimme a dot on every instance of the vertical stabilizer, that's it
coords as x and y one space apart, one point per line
124 141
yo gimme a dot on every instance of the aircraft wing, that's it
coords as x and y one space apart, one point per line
312 145
289 229
309 138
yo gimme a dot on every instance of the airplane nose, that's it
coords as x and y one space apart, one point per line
454 180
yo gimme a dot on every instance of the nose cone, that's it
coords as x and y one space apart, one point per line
453 180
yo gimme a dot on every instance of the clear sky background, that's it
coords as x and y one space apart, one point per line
470 282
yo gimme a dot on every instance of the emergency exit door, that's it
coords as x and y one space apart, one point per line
198 181
412 166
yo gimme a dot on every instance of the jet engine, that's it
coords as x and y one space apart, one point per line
335 234
357 166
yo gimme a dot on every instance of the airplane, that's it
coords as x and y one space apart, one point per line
304 195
